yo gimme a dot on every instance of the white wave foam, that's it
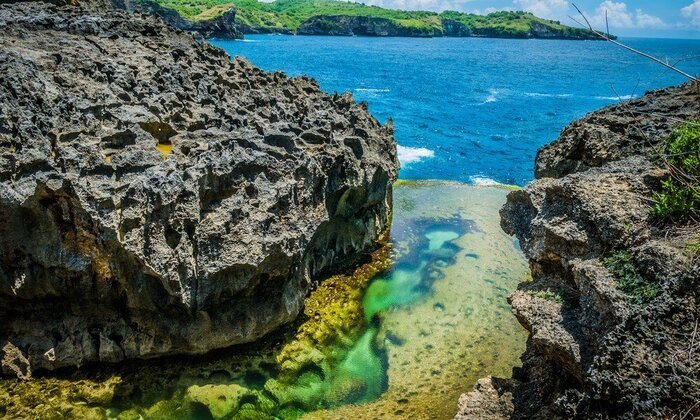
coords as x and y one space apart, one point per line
493 96
369 90
413 154
548 95
616 98
483 181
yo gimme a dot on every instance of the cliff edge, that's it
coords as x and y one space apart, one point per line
598 348
157 197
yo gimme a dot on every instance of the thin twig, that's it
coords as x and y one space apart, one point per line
627 47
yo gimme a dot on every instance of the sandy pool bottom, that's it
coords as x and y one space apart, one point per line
462 328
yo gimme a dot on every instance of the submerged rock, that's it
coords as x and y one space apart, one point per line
594 351
157 197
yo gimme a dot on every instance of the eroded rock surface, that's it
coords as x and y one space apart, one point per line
157 197
593 351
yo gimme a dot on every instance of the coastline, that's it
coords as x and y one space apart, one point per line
334 313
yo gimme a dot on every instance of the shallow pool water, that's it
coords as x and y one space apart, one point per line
403 336
443 318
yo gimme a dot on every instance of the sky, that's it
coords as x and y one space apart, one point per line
638 18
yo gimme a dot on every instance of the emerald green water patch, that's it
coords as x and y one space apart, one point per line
402 336
399 288
361 376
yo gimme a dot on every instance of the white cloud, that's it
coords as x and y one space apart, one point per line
692 12
548 9
647 21
618 16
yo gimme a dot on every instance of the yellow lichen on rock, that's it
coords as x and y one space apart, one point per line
165 149
53 398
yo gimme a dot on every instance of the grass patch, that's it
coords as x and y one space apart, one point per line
546 295
628 278
679 198
693 248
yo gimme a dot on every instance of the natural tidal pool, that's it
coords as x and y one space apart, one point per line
402 336
442 315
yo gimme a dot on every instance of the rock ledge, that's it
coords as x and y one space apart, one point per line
592 352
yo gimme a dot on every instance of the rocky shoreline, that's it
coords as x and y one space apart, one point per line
371 26
159 198
593 351
342 25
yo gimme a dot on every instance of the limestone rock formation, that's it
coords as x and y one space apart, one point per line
594 352
157 197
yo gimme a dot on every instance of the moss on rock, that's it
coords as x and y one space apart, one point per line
296 374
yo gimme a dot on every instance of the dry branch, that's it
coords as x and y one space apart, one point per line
627 47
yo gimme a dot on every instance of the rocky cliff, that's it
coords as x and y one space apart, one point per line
343 25
536 30
584 224
157 197
374 26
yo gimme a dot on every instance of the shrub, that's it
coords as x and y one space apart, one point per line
693 247
546 295
628 278
679 197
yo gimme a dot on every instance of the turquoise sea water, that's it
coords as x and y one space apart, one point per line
471 109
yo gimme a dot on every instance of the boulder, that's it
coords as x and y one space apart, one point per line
158 197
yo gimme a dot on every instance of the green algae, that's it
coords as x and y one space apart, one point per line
423 183
367 342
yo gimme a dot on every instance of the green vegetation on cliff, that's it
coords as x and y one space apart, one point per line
680 194
288 16
630 281
514 24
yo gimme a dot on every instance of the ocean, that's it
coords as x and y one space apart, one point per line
470 109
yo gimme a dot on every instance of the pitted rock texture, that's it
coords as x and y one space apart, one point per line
157 197
593 352
617 132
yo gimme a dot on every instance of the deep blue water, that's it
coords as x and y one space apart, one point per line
472 109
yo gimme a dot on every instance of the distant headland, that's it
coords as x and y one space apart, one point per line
233 18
